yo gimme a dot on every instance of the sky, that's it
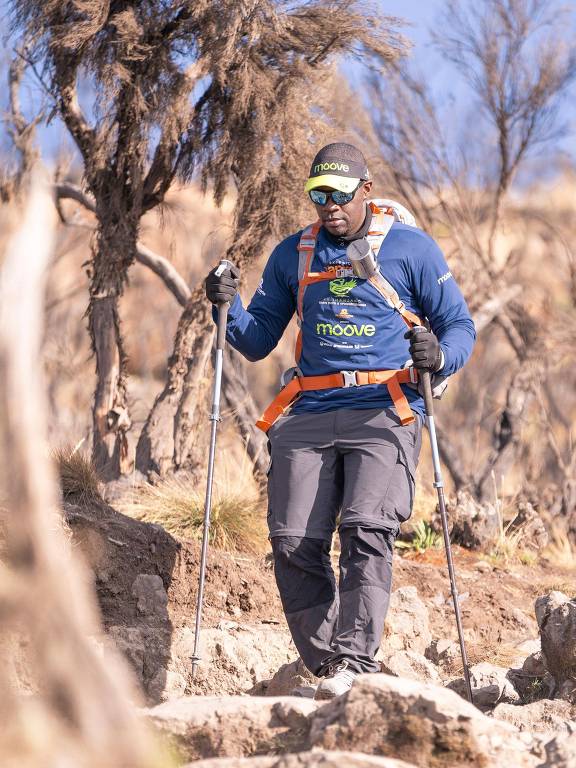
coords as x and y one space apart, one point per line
441 76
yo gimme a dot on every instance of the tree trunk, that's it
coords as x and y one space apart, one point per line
118 216
508 430
110 415
165 441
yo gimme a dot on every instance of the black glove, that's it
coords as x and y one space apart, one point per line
425 350
222 288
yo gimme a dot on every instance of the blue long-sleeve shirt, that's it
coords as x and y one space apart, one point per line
347 325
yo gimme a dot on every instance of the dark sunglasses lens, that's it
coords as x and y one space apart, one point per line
341 198
318 197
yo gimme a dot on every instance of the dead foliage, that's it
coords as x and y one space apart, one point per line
79 479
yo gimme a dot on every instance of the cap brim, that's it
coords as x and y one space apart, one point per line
341 183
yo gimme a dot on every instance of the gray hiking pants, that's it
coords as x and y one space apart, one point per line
354 468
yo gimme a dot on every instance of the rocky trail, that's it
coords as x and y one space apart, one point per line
240 709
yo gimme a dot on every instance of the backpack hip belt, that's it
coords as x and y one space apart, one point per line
292 391
383 218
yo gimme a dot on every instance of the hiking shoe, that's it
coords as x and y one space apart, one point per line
338 681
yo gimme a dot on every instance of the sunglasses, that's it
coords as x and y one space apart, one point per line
340 198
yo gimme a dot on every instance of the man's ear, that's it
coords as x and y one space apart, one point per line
367 188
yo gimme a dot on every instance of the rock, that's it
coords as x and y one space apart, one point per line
490 686
151 597
443 652
430 725
232 661
234 726
306 760
473 525
556 616
532 680
411 665
288 678
483 566
561 752
545 604
535 664
407 624
541 716
528 648
529 528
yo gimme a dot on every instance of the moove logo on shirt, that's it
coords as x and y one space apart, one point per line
350 329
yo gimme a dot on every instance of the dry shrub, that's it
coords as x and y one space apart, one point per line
79 479
237 522
561 551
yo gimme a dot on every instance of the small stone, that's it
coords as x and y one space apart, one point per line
483 566
152 599
408 624
443 652
490 686
289 678
410 665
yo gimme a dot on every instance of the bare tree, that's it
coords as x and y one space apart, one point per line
22 130
223 90
516 57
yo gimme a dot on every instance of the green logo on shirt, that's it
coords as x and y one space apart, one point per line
337 329
341 286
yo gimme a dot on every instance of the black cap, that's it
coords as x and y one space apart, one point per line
340 166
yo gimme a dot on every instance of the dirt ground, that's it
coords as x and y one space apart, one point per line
497 600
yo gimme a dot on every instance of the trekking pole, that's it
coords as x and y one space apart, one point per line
214 417
425 378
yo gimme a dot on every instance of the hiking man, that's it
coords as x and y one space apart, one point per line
345 454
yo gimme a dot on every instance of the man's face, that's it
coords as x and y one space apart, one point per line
342 220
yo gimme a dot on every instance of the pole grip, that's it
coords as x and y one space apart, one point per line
222 308
426 381
221 326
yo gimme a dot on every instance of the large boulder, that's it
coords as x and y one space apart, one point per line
429 725
407 624
556 616
306 760
234 726
543 716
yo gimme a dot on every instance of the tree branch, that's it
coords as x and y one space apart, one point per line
158 264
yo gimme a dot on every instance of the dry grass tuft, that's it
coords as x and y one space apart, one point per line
495 652
78 476
510 544
237 522
560 551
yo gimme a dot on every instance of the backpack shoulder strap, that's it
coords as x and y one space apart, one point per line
384 213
